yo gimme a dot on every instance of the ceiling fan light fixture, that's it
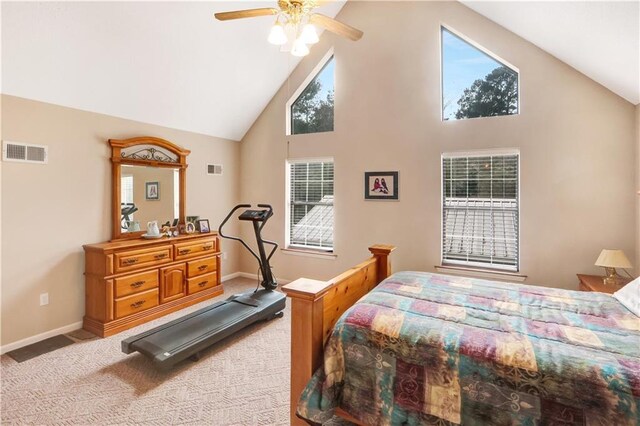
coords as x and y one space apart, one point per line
309 34
299 48
277 35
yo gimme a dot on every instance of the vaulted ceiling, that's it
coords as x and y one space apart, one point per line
166 63
170 63
601 39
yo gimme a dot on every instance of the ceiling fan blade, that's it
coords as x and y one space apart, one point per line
337 27
249 13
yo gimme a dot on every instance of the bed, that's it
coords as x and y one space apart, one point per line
420 348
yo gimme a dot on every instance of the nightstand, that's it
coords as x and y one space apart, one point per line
595 283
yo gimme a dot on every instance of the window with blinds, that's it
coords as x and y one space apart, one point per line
310 209
480 208
126 189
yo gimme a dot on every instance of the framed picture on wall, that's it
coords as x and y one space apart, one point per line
380 185
152 190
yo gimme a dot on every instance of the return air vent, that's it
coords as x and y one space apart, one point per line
24 153
214 169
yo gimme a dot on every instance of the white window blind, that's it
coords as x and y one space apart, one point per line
311 204
481 210
126 189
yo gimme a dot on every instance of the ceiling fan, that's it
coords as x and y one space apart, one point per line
295 25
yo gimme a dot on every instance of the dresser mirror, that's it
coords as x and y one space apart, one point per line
149 182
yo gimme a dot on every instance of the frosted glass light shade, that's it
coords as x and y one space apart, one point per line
309 34
299 48
613 259
277 35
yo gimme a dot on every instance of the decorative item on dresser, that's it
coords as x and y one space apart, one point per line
130 282
597 283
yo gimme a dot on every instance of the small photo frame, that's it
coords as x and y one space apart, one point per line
203 226
192 219
152 190
380 185
190 228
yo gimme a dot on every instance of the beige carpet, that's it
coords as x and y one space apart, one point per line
242 381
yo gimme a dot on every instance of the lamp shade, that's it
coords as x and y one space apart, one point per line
309 34
299 48
613 259
277 35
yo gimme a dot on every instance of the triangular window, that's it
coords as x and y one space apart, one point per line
475 83
312 111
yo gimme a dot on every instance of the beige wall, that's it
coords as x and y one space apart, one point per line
576 140
50 211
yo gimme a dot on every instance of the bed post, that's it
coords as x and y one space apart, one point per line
316 306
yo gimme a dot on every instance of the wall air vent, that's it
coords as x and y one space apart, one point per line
24 153
214 169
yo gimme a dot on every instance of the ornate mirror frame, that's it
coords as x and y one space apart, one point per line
153 152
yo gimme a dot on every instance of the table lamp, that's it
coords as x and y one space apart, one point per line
610 260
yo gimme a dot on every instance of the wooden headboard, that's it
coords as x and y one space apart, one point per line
317 305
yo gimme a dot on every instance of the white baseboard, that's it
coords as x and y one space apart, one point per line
38 337
77 325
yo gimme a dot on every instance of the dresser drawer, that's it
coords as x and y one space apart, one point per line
193 249
136 259
135 283
136 303
202 283
203 266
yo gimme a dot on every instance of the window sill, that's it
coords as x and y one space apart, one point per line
309 253
481 273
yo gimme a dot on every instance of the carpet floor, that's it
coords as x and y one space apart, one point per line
243 380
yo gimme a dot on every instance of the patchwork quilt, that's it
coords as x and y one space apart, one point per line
432 349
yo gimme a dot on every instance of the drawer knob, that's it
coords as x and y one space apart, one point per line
203 283
160 256
202 268
130 261
137 304
207 247
184 251
137 284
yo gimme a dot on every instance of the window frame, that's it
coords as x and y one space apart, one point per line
480 265
294 97
287 209
484 50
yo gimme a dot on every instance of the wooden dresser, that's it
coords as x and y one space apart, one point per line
130 282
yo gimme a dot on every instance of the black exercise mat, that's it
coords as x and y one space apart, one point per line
39 348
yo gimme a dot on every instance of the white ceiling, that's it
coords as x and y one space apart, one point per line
172 64
599 39
166 63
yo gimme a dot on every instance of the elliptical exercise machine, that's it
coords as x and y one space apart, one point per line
188 336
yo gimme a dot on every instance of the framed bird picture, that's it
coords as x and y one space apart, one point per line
380 185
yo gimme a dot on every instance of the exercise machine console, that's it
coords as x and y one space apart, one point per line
188 336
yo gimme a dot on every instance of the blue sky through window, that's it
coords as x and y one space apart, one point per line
462 64
326 78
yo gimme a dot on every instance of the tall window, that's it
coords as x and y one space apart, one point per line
310 204
475 84
480 206
312 111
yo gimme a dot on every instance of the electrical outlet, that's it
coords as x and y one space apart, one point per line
44 299
224 255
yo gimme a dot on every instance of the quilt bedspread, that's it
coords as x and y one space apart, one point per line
433 349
